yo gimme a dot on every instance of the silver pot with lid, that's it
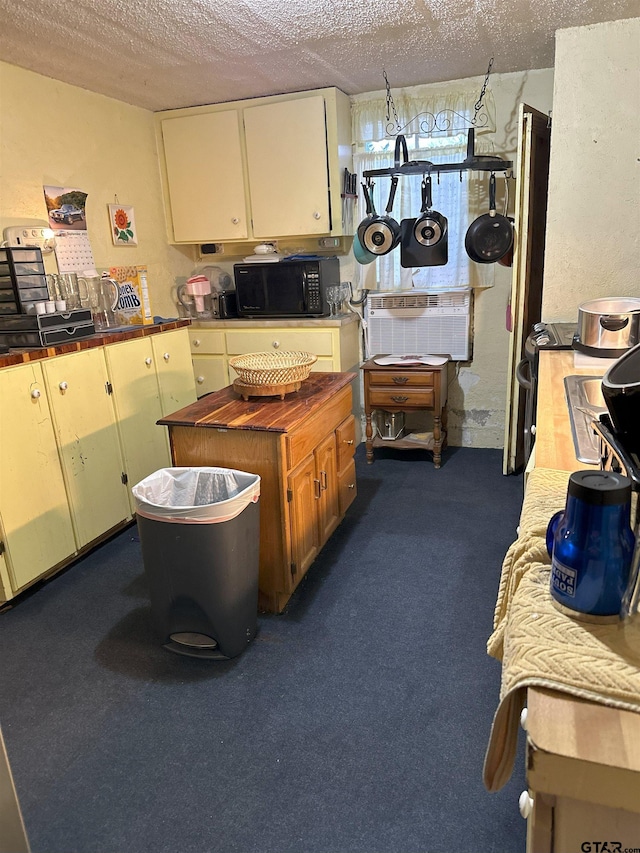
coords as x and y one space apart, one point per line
608 327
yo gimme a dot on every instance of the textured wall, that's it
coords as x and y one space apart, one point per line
56 134
593 223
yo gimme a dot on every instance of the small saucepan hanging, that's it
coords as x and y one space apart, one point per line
490 236
424 241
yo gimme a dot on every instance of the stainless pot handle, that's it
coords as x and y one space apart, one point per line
612 323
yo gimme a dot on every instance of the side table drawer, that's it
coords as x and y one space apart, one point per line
392 377
419 398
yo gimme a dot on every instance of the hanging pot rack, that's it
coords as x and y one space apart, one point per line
472 162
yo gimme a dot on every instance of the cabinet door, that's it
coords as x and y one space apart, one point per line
327 474
136 397
172 356
304 492
85 425
288 169
210 373
205 177
34 510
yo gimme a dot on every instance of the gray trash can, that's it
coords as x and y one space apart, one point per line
200 535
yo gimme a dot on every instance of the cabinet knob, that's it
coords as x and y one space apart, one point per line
148 360
275 344
523 718
532 429
63 386
348 441
351 486
199 379
317 214
196 342
35 393
166 356
235 220
525 804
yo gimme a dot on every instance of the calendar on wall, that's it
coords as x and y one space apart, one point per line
73 251
67 219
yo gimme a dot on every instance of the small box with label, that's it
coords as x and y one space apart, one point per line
133 306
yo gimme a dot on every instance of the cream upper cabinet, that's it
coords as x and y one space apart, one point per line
205 178
85 426
34 513
136 397
257 169
287 165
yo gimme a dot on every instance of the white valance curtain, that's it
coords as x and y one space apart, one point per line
448 114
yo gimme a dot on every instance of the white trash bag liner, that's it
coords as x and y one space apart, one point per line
195 495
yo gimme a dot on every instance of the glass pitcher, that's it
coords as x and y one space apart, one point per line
102 299
195 297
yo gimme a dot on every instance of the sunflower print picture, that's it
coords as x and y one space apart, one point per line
123 229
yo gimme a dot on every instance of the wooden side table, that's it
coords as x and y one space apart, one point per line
401 388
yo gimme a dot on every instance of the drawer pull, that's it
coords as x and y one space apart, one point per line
199 379
317 487
235 220
166 356
63 386
275 344
148 361
400 380
348 441
323 480
196 342
351 486
399 398
35 393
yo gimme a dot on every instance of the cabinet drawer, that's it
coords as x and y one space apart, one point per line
305 439
406 398
347 488
388 377
319 342
346 441
206 341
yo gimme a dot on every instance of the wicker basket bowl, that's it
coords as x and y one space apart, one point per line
272 368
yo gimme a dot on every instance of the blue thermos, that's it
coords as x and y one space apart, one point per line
591 543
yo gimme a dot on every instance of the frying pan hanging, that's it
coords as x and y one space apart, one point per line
424 239
379 234
490 236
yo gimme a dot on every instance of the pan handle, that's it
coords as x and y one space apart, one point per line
368 197
612 323
392 193
492 195
400 141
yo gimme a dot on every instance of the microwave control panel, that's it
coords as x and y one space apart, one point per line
313 291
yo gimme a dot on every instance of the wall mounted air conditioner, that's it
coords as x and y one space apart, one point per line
418 323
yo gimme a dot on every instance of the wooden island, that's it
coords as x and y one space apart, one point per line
302 448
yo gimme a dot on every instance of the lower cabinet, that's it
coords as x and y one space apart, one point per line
35 519
78 430
337 347
85 425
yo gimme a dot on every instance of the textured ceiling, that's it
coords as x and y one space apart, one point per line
162 54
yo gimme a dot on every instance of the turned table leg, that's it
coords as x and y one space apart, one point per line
369 438
437 441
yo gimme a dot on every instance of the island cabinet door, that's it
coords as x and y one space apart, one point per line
136 397
327 474
85 425
34 511
303 495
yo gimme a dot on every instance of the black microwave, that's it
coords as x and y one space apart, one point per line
288 288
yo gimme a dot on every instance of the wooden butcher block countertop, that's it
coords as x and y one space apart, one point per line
225 409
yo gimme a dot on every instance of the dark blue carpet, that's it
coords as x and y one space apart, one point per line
355 721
